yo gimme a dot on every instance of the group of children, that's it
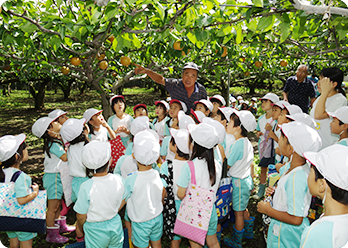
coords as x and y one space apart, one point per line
155 165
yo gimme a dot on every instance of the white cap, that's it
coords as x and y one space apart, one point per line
140 123
304 118
254 99
227 111
146 148
184 120
247 119
271 96
281 104
183 105
302 137
41 125
220 98
199 115
56 113
246 102
220 129
332 163
293 109
96 154
88 114
241 102
206 103
204 135
341 114
181 138
9 145
71 129
164 103
232 99
239 98
115 96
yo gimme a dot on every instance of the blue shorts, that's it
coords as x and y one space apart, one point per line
241 192
53 185
213 222
143 232
75 186
266 161
22 236
177 206
107 233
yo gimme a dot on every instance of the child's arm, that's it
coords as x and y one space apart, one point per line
266 208
122 205
110 131
273 136
164 194
64 157
181 192
30 197
81 218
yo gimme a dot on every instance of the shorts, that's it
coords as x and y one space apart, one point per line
107 233
241 192
143 232
213 222
266 161
53 185
75 186
177 206
22 236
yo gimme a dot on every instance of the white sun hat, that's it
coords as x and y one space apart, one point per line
247 119
181 138
220 98
246 102
293 109
254 99
164 103
146 148
96 154
184 120
115 96
301 137
139 124
204 135
41 125
304 118
271 96
281 104
71 129
220 129
232 99
56 113
88 114
183 105
239 98
332 163
206 103
227 111
199 115
341 114
9 145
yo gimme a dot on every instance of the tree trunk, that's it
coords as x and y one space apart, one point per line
224 92
83 87
66 88
251 89
39 96
119 90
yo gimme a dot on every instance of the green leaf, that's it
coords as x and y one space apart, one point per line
131 1
266 23
341 31
285 30
252 25
59 2
136 41
95 17
7 38
28 27
55 42
239 37
201 35
62 31
160 10
171 70
200 44
258 3
110 12
192 37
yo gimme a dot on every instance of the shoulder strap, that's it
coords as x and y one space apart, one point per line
15 176
192 169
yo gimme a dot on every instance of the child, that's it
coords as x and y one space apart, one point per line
218 101
339 124
98 127
120 122
239 169
13 152
205 106
184 120
301 117
253 106
170 171
144 193
140 110
100 199
328 180
162 108
291 199
265 143
223 116
58 115
241 102
48 129
140 123
207 171
233 102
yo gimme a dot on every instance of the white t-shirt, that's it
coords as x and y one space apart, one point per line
275 144
261 124
143 193
159 127
323 126
52 164
229 140
101 135
326 232
100 197
76 168
116 122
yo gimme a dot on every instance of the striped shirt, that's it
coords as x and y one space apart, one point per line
177 90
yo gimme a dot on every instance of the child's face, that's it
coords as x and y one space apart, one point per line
312 184
335 126
216 106
62 119
25 155
276 111
54 128
284 147
172 147
282 118
97 120
174 110
119 106
140 112
218 118
230 129
160 111
233 104
201 107
266 104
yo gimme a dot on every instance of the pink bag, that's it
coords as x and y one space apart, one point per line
193 218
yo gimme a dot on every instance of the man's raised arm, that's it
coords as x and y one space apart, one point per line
153 75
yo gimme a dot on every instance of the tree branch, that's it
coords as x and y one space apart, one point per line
312 9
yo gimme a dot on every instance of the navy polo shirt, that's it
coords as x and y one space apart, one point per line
299 93
177 90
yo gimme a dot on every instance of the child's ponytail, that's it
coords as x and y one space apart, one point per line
48 141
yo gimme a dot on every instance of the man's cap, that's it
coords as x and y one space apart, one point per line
204 135
89 113
146 148
191 65
341 114
183 105
220 129
181 138
96 154
41 125
139 124
247 119
184 120
139 105
220 98
71 129
115 96
9 145
56 113
270 96
206 103
304 118
164 103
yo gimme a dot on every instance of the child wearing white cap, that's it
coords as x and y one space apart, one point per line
144 193
59 115
98 127
13 152
120 121
253 106
207 171
100 199
48 129
328 180
291 200
233 102
339 124
159 123
205 106
265 143
239 169
218 101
